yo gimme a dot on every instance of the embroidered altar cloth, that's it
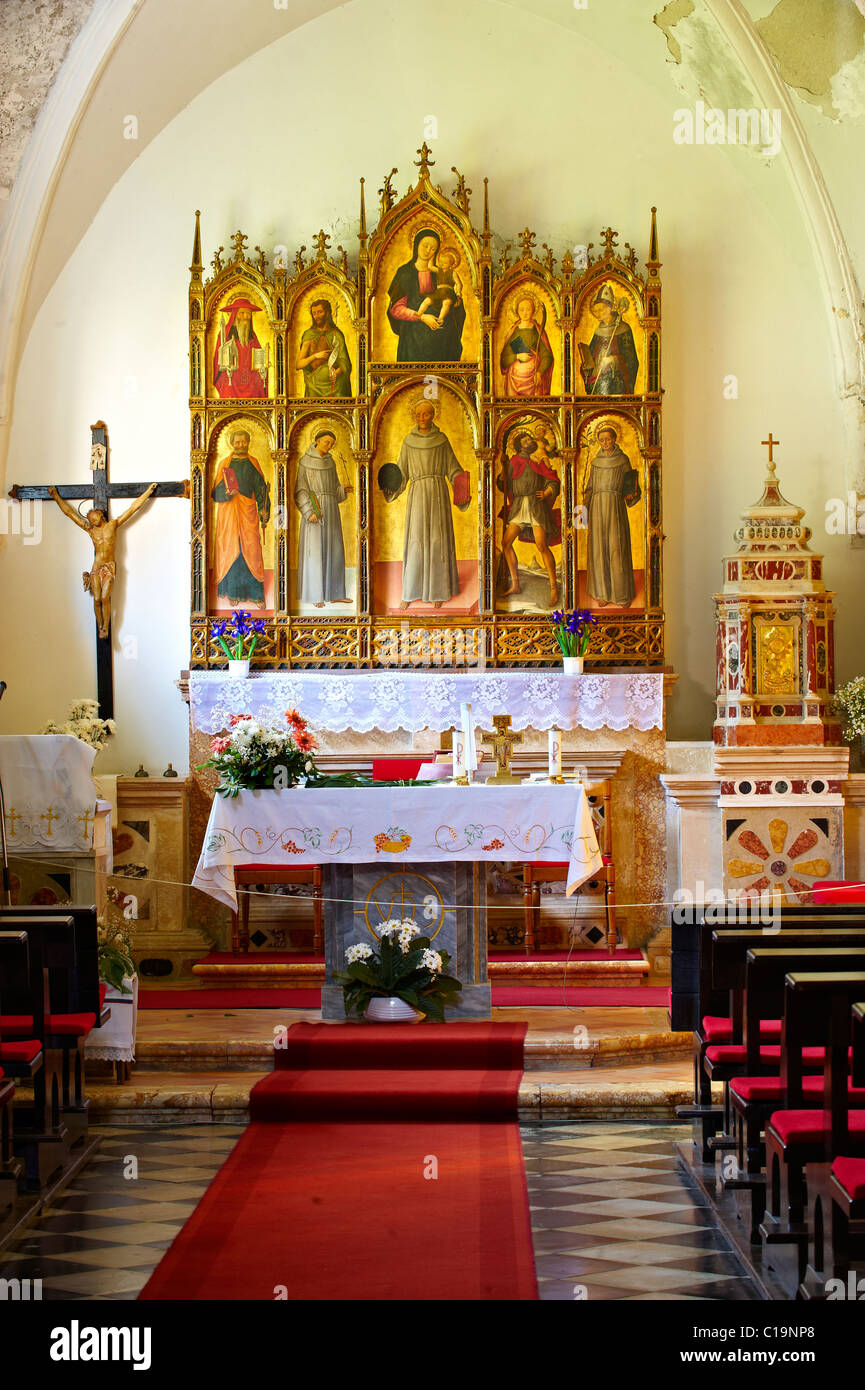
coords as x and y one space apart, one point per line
416 700
535 822
49 792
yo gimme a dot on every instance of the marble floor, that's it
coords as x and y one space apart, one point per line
613 1215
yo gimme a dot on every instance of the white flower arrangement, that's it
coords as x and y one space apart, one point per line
431 960
84 723
360 951
850 702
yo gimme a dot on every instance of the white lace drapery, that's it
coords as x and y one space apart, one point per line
416 700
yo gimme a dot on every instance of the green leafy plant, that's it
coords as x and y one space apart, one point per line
114 945
405 966
850 703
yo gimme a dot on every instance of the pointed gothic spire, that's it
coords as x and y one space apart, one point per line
196 245
653 262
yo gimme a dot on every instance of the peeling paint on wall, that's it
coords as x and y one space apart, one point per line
34 42
705 68
668 17
813 42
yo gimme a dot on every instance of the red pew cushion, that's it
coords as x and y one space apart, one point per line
839 890
736 1053
25 1051
810 1126
850 1172
57 1025
720 1030
762 1090
103 990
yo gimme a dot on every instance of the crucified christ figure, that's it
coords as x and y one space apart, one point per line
99 581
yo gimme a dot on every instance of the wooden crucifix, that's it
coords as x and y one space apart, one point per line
502 739
102 530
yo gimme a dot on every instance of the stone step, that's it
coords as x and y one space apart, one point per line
546 1098
575 1051
255 972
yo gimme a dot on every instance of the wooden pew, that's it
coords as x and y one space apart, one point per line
760 1088
837 1244
715 1055
73 984
692 927
14 966
817 1012
42 1137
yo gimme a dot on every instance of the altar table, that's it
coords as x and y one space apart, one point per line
536 822
415 700
406 852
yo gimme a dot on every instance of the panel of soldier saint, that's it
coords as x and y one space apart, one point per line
529 529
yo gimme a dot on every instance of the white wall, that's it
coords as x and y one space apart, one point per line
573 136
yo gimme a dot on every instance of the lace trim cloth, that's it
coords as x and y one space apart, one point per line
415 700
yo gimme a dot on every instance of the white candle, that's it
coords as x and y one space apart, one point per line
459 753
471 752
555 752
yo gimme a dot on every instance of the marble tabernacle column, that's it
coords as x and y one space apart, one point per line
446 901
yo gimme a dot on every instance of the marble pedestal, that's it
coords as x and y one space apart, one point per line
447 902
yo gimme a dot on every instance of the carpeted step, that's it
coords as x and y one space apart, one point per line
395 1046
435 1094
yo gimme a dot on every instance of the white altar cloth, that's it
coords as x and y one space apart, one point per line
415 700
397 825
49 792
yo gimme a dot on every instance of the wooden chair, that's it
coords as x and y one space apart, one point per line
245 874
599 794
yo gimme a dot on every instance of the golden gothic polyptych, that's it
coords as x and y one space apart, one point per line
428 431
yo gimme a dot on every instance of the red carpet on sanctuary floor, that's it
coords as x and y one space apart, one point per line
381 1162
503 996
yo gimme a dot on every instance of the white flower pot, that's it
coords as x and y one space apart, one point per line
390 1009
573 665
238 669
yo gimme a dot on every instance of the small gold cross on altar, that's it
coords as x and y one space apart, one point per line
772 443
50 816
87 818
502 739
12 816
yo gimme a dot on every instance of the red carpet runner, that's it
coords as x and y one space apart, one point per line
381 1162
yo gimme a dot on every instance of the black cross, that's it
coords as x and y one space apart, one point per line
98 494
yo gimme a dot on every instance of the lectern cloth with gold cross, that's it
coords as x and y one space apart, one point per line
534 823
49 792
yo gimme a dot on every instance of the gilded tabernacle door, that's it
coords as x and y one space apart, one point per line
414 444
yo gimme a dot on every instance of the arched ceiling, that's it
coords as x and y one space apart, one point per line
148 59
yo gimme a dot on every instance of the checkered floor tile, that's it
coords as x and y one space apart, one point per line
614 1217
108 1231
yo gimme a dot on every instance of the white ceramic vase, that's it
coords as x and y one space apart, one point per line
573 665
238 669
390 1009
